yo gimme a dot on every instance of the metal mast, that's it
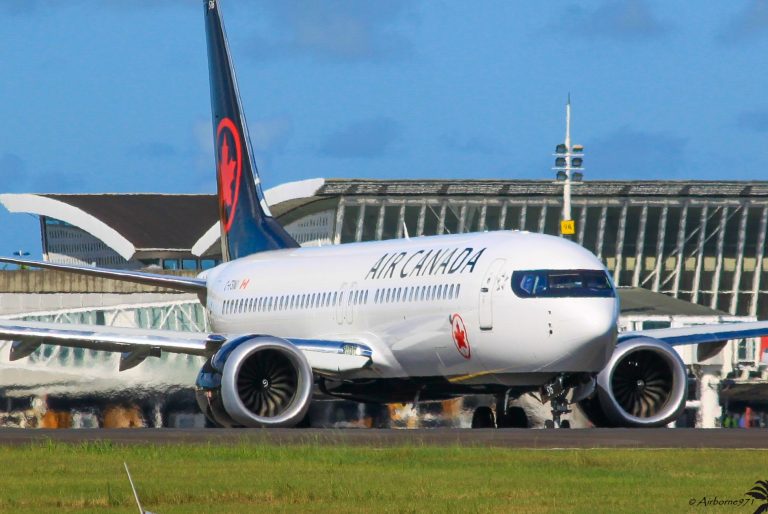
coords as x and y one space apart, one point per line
568 164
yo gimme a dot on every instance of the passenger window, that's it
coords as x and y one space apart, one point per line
398 293
365 300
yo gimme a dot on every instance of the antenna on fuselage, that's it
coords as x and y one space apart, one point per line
405 230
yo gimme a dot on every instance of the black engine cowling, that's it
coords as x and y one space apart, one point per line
255 381
644 384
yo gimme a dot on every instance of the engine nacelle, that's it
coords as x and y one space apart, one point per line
256 381
644 384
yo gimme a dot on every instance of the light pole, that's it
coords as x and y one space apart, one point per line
568 164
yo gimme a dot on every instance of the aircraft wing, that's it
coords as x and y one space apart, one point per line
187 284
710 338
702 334
136 344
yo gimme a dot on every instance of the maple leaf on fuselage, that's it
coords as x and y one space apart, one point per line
461 337
227 172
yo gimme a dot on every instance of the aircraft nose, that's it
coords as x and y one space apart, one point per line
590 333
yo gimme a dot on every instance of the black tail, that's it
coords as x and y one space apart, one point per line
247 226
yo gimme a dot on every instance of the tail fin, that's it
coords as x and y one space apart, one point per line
247 226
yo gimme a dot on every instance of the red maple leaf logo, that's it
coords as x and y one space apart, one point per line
227 172
460 336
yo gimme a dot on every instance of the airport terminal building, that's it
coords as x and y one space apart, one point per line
702 242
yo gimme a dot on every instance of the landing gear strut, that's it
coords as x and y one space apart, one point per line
556 391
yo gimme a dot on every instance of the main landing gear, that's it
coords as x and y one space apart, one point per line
556 392
506 415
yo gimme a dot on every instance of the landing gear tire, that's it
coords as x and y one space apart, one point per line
515 417
483 418
551 424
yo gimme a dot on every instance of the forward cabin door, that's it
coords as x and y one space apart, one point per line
489 285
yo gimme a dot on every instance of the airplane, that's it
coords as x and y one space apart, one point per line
499 313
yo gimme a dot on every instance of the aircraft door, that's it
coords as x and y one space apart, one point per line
489 285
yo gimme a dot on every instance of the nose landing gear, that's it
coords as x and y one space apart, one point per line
556 392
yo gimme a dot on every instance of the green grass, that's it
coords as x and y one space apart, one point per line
248 477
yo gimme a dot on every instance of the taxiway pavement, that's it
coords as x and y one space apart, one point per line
509 438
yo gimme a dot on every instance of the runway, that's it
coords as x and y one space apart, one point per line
504 438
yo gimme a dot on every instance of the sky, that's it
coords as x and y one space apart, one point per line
112 95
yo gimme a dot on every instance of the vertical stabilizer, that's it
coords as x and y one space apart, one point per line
247 226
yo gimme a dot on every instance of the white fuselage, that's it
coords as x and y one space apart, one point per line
402 298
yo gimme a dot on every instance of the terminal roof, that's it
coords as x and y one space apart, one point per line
636 301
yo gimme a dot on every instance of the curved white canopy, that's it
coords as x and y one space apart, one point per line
273 196
44 206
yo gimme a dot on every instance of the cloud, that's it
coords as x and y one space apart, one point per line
343 30
151 150
753 121
624 20
471 144
271 134
362 139
635 154
750 23
19 178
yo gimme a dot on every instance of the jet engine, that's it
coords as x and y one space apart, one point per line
643 385
255 381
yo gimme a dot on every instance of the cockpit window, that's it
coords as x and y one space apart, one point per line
562 283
